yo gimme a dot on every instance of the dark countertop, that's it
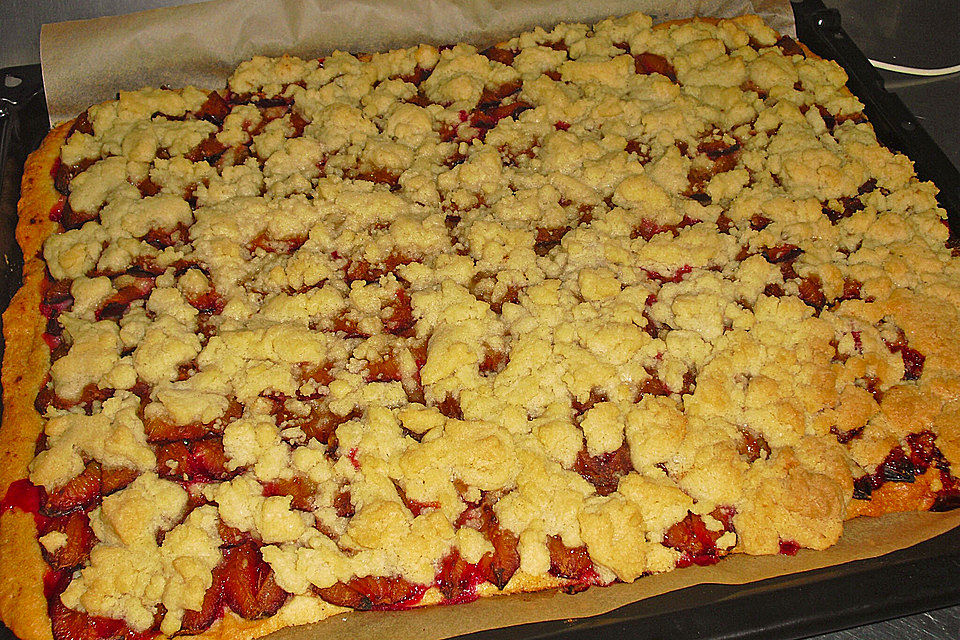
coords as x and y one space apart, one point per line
934 625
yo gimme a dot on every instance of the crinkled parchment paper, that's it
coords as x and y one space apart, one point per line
89 61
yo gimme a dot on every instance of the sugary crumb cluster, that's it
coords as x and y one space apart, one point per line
595 303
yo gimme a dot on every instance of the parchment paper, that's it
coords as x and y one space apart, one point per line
89 61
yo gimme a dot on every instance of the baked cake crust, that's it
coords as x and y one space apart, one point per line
23 606
831 391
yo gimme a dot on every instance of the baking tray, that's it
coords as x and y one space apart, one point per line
920 578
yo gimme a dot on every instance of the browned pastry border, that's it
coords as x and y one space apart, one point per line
26 358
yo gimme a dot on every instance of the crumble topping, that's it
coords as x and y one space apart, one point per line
593 303
129 572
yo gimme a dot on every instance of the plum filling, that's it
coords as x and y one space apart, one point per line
653 386
912 359
116 305
906 463
497 54
752 445
56 298
499 566
300 489
373 593
676 276
79 540
696 542
458 579
789 548
76 625
201 460
81 492
843 437
573 563
646 63
548 238
264 242
24 496
249 584
648 228
605 470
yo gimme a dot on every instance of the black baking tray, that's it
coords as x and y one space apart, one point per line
920 578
